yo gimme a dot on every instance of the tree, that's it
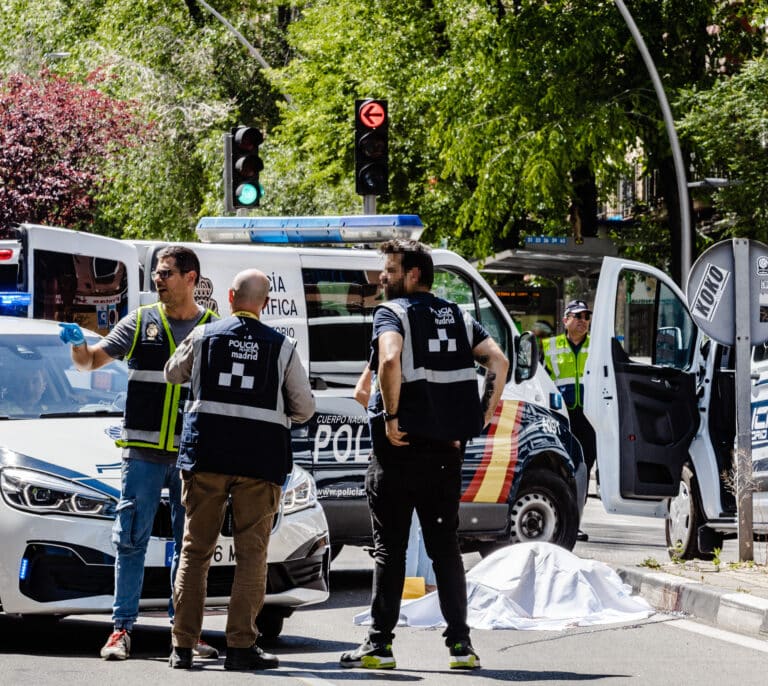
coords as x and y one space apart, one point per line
728 124
54 138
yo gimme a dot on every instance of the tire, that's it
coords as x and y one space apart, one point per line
685 517
544 511
270 621
335 550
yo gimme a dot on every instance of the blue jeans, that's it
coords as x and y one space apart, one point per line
141 486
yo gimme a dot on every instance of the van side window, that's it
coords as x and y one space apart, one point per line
652 323
454 286
340 304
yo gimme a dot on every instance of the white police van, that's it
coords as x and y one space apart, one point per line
660 395
524 478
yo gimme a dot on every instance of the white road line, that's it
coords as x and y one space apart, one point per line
310 679
712 632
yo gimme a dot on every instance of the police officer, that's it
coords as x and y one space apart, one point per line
151 429
248 385
565 357
424 407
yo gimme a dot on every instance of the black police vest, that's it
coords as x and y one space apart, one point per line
153 410
439 397
235 421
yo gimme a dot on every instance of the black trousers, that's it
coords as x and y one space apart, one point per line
425 477
582 429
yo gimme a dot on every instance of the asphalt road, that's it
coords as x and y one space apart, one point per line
660 650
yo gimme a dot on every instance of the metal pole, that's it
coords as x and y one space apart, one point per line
251 50
743 383
369 204
682 184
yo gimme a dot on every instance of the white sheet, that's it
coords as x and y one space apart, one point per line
534 586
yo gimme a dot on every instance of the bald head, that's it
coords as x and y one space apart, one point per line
249 291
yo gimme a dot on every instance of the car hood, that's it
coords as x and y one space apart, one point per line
82 449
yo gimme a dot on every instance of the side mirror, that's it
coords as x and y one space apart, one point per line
526 356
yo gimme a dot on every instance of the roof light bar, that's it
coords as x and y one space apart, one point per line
374 228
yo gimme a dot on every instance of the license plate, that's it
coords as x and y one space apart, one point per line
223 554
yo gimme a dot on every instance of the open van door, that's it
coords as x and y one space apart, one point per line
77 277
641 386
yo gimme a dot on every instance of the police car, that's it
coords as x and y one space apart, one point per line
60 483
524 478
660 395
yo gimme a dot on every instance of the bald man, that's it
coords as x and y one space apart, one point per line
247 386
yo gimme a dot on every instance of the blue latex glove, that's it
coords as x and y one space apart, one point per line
71 333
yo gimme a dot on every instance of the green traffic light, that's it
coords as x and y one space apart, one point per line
247 194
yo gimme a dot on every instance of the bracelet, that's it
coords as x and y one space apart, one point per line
388 416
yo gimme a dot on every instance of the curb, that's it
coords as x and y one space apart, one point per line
738 612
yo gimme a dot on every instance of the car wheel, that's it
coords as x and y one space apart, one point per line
684 519
544 510
270 621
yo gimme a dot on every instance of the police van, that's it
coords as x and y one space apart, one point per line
524 477
660 395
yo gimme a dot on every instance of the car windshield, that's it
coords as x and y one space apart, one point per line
38 379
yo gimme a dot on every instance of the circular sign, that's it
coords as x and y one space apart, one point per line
372 114
713 286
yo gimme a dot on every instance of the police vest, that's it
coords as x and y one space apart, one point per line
235 421
153 407
566 368
439 397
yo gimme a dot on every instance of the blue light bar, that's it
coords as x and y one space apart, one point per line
361 228
14 303
23 569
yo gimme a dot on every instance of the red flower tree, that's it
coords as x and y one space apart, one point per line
54 136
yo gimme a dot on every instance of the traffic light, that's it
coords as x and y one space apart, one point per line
243 164
371 147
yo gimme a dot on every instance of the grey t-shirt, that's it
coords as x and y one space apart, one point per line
118 342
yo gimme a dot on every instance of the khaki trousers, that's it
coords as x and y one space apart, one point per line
254 505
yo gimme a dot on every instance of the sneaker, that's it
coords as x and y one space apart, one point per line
118 646
242 659
463 656
202 649
181 658
369 656
582 536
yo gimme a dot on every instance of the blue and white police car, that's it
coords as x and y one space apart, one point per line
60 483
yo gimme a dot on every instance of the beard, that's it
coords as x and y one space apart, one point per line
394 289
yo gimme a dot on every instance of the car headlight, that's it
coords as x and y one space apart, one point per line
300 491
42 493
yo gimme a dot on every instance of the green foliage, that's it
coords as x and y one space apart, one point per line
729 126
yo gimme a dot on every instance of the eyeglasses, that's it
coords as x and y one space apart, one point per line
586 316
163 274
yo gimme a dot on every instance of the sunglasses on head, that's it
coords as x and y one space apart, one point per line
586 316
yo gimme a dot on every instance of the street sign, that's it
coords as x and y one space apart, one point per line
713 288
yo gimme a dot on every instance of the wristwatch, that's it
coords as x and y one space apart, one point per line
388 416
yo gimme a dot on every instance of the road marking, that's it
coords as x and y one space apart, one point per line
712 632
310 679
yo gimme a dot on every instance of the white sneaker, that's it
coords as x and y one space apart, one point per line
202 649
118 646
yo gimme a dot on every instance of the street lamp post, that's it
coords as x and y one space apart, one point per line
669 123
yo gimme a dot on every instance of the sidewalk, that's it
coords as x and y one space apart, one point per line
733 597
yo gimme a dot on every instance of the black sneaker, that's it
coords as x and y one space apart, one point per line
463 656
181 658
369 656
243 659
582 536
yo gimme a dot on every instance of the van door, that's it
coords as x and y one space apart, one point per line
78 277
641 386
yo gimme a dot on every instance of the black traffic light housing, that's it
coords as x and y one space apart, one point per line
242 165
371 147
